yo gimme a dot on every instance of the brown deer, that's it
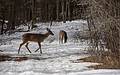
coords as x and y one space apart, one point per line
34 37
62 37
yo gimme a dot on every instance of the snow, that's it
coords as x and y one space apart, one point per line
57 59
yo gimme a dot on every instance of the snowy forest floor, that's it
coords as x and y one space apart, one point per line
57 59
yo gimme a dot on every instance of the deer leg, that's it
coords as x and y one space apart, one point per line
37 49
21 46
62 39
27 47
40 47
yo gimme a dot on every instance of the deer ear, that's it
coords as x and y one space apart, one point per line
47 29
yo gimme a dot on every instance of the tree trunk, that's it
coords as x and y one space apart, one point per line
2 30
69 14
33 13
57 10
63 11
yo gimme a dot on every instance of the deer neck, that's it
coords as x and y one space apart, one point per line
47 34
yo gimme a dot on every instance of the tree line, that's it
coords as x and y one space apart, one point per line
16 12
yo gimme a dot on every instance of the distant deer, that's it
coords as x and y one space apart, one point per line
34 37
62 36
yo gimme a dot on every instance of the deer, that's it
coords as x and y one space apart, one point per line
34 37
62 36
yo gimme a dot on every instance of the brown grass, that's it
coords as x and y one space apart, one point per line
108 62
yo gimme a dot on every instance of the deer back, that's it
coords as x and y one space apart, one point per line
33 37
63 35
36 37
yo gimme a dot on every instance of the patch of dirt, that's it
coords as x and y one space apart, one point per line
9 58
106 62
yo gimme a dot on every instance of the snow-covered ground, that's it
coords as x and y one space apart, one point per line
57 59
